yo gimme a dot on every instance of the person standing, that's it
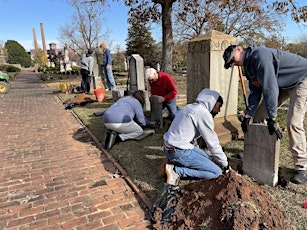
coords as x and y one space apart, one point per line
180 141
87 64
107 67
275 76
162 85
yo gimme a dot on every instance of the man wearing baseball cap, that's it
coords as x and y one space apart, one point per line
275 76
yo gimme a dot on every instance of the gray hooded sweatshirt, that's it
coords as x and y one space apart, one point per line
193 121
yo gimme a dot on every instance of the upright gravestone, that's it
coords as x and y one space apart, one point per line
136 77
136 73
261 154
205 69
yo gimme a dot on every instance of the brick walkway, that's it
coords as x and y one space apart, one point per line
49 178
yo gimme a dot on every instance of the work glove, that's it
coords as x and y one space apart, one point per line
244 124
274 127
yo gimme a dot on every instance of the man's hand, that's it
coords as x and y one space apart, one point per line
244 124
274 128
160 99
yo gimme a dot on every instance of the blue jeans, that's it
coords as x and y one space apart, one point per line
171 107
193 163
108 74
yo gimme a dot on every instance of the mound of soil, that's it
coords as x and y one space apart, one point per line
227 202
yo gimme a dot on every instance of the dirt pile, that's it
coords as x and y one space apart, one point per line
228 202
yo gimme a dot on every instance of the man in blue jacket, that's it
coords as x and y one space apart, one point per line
107 67
276 76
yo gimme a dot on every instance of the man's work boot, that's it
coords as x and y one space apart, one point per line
300 177
114 139
172 177
106 138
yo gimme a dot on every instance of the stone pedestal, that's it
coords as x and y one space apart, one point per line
261 154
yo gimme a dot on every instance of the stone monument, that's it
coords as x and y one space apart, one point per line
67 62
205 69
136 77
136 73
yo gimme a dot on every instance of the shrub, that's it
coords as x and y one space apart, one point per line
75 70
12 69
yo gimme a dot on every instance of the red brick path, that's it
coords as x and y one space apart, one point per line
51 175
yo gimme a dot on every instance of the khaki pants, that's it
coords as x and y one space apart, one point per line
295 121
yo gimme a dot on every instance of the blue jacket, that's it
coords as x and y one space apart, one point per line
274 69
107 57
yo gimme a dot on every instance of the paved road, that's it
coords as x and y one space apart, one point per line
51 175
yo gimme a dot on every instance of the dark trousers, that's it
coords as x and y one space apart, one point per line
86 81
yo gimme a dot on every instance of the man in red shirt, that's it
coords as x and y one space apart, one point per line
162 85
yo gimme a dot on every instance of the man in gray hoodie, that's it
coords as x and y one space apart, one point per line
276 76
180 141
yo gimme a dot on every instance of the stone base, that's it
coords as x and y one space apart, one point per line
146 133
228 128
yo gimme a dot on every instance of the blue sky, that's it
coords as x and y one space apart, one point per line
19 17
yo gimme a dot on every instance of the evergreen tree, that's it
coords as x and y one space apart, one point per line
140 41
17 54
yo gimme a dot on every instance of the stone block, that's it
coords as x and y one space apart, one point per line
261 154
116 94
156 110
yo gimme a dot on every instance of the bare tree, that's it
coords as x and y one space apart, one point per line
155 10
298 13
83 32
247 20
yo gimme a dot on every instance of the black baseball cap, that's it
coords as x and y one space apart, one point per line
227 56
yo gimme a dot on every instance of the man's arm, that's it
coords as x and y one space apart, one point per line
170 88
205 126
265 72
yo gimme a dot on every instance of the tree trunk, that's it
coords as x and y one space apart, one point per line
167 34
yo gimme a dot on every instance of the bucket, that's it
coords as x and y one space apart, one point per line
99 94
63 87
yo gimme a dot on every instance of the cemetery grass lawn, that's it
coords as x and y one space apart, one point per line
141 159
